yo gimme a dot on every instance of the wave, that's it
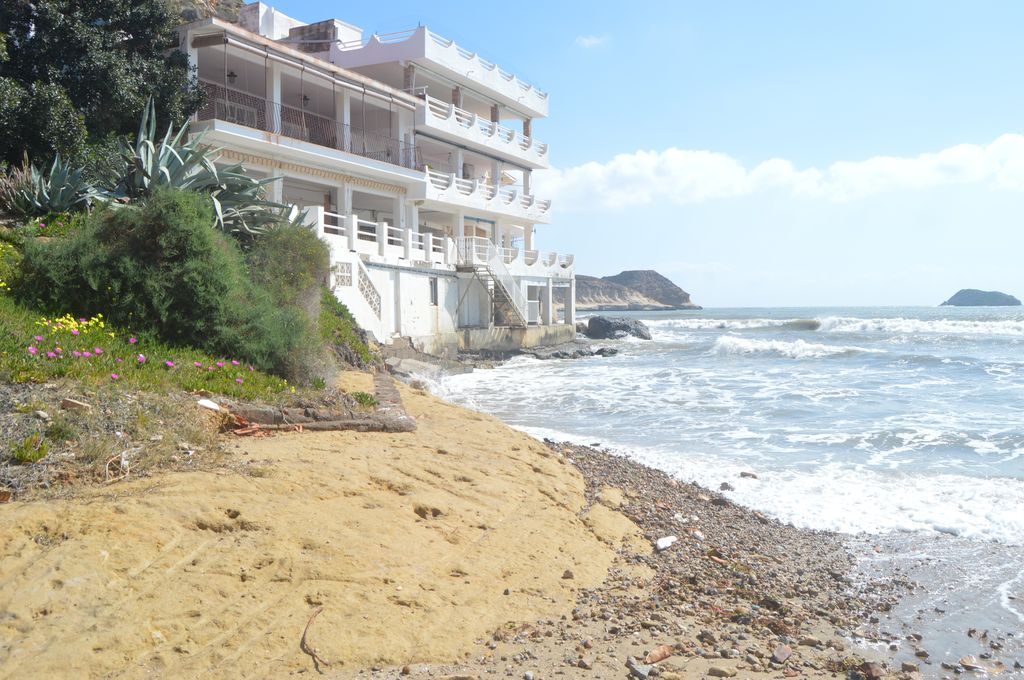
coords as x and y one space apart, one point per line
695 324
793 349
901 325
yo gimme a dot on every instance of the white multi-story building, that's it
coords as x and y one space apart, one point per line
414 157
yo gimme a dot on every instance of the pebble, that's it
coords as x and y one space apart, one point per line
41 415
721 672
781 653
567 574
69 404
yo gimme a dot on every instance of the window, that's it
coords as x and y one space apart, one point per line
433 291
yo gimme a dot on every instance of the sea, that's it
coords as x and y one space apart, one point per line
901 428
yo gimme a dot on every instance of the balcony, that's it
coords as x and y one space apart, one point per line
447 188
446 58
458 126
242 108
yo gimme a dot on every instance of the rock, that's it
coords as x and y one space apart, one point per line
408 368
584 664
871 670
638 670
809 641
971 297
581 327
528 675
41 415
751 660
660 653
613 328
748 475
567 574
606 351
908 667
921 653
721 672
970 663
406 670
781 653
726 486
69 404
665 543
566 350
630 290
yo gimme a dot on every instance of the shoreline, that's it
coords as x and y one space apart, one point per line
466 540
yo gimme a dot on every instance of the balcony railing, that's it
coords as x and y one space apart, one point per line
243 108
471 123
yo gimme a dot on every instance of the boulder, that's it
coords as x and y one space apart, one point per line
970 297
615 327
566 350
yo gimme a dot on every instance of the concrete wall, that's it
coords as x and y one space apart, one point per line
509 339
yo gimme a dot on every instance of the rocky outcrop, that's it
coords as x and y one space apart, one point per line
616 327
970 297
639 290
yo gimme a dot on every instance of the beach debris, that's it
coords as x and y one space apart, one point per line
809 641
871 670
208 404
665 542
971 663
312 651
69 404
5 496
659 653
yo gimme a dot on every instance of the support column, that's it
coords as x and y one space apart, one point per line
526 181
457 160
460 225
275 190
345 119
409 78
547 307
496 173
495 113
273 112
398 212
345 199
528 239
457 96
570 303
527 127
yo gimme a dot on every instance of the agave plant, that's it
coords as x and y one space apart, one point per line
29 192
180 162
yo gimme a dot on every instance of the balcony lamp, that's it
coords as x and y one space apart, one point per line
232 77
305 99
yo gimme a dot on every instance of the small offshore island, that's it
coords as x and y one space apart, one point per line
971 297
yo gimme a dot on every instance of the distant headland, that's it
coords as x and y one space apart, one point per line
634 290
971 297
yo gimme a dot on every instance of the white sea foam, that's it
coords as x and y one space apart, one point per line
793 349
901 325
1008 601
704 324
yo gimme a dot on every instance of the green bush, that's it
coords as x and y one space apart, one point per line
157 268
339 329
10 264
291 262
31 449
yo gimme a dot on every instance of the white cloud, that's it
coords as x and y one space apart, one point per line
588 41
684 176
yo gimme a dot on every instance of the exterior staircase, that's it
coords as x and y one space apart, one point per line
483 258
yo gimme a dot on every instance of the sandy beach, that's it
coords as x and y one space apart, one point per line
464 549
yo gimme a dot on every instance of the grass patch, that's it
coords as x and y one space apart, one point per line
36 349
364 399
31 449
338 328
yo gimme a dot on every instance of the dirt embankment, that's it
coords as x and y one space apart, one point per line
408 542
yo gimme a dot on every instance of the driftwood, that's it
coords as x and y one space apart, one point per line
312 651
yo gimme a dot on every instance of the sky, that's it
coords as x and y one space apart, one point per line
766 154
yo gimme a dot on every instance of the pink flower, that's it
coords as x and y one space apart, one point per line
81 320
97 351
51 355
38 338
251 369
141 358
114 376
211 368
58 350
132 341
74 331
32 350
234 362
219 364
197 364
169 364
239 381
118 360
75 353
42 226
86 353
